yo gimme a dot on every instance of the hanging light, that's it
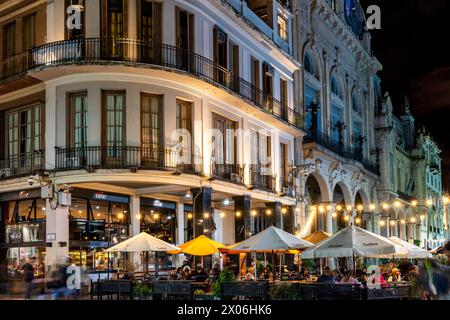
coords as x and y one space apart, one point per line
329 207
222 214
254 213
206 215
382 223
284 211
346 218
226 202
372 207
397 204
190 216
138 216
402 221
349 208
445 200
156 216
339 207
385 206
268 212
188 194
414 203
334 215
238 214
413 220
429 202
358 220
392 223
321 209
120 216
360 207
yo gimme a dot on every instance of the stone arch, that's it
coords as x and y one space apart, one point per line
323 186
364 197
348 199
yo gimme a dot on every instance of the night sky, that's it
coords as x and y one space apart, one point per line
414 48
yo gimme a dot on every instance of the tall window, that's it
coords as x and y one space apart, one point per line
114 122
115 26
184 121
337 109
283 28
312 89
29 31
9 40
283 163
151 125
24 134
225 148
151 27
255 73
77 121
76 32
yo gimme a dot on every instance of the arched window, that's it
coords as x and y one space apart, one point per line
309 67
337 110
355 105
335 88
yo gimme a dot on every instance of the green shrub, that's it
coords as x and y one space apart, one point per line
142 290
225 276
285 291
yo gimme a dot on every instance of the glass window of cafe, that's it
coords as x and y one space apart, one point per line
158 218
97 221
24 234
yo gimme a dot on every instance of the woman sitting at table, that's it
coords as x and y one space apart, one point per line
265 274
348 279
395 275
250 276
304 275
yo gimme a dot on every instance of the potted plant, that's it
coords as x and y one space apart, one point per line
143 292
285 291
225 276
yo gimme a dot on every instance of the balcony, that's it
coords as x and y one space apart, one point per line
133 158
261 181
90 51
262 15
228 172
22 165
346 152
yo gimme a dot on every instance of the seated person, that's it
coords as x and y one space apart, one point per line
266 274
304 274
326 277
250 276
201 275
395 275
349 279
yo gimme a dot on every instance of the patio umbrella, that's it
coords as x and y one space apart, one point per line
200 246
271 240
353 241
142 242
414 252
317 237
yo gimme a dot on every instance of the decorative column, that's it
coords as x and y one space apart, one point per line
180 232
288 219
274 218
242 217
135 229
203 221
57 228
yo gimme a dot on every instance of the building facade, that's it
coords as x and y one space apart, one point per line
410 193
173 117
181 118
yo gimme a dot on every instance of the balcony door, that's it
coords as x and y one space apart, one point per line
114 127
77 123
9 49
150 31
224 150
268 86
113 28
24 132
182 154
185 34
151 130
220 55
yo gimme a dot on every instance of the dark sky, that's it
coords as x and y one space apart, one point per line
414 47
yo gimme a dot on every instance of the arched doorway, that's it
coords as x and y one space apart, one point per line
313 199
342 217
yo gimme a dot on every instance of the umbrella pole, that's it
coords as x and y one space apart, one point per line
273 266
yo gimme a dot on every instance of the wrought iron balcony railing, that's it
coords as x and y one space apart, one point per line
157 158
143 53
344 151
261 180
22 165
229 172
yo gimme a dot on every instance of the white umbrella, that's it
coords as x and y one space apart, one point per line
414 252
354 241
271 239
142 242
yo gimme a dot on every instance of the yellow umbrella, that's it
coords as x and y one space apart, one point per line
317 236
200 246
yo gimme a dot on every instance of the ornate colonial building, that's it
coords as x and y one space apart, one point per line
338 94
175 117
